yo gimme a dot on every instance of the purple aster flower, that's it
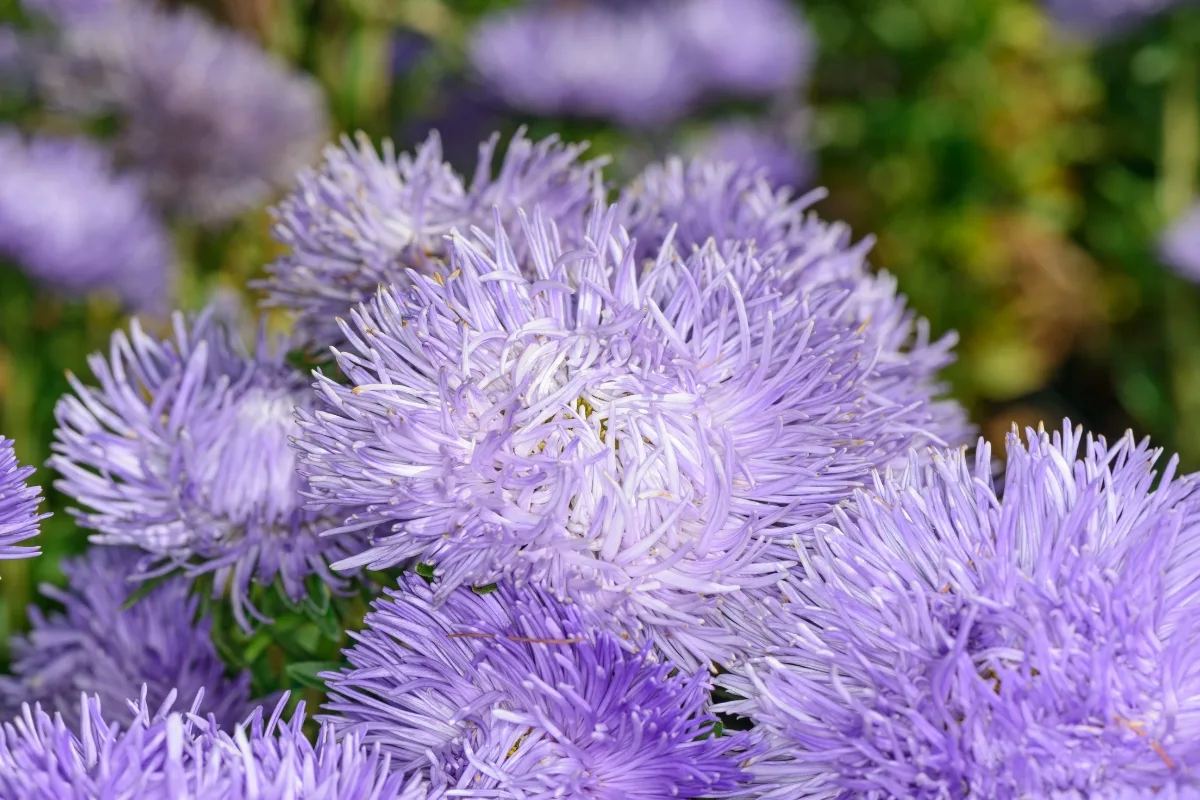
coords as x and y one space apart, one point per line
513 694
732 203
747 47
96 646
941 641
212 122
183 450
364 218
169 754
589 59
756 146
650 439
1179 247
74 226
19 519
642 65
1100 18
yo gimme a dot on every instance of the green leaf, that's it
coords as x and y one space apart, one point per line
306 673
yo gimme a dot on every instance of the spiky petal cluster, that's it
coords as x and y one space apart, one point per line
640 64
1179 246
183 450
19 520
212 122
97 646
613 436
167 754
943 642
513 694
733 203
365 218
73 225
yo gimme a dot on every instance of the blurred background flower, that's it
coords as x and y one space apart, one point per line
1027 168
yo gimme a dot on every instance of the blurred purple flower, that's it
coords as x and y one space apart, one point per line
19 519
363 219
650 439
513 694
183 450
1100 18
99 647
74 226
758 147
1179 246
642 65
943 642
747 47
212 122
169 754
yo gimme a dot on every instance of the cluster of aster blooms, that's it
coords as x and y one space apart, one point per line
655 499
207 125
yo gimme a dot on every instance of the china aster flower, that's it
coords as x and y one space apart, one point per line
640 64
365 218
183 451
1099 18
511 694
19 520
73 225
213 123
747 47
170 754
1179 246
941 641
733 203
98 646
651 439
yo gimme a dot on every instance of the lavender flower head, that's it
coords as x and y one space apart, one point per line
944 642
513 694
98 647
19 520
183 451
74 226
642 65
212 122
645 441
588 59
733 203
365 218
168 754
1179 246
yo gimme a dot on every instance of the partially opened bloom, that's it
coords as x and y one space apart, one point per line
943 642
365 218
512 694
183 450
625 437
72 224
212 123
167 754
19 520
97 646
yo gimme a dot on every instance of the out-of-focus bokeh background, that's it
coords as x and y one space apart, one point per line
1027 167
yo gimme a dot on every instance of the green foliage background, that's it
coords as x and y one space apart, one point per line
1016 182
